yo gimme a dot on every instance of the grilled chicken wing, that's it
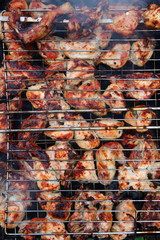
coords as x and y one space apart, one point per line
134 179
17 4
86 96
56 206
3 126
150 210
84 169
126 214
106 157
139 118
142 85
117 56
49 49
47 95
92 214
39 30
108 123
62 159
138 85
151 16
37 4
144 154
114 98
85 138
25 69
78 71
40 226
141 51
125 23
45 175
85 50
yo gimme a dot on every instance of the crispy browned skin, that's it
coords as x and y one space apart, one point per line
92 213
55 205
106 157
34 121
150 211
16 104
125 23
55 230
151 16
15 85
62 159
37 4
117 56
86 96
2 83
140 118
138 85
84 169
78 71
3 126
17 4
142 50
114 98
126 214
25 69
41 29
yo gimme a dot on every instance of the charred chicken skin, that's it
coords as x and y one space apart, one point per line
92 214
39 30
126 214
40 226
106 156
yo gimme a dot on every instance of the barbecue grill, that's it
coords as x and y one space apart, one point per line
36 154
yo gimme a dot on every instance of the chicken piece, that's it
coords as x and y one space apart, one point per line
33 73
122 83
56 206
106 157
126 214
134 179
140 118
142 85
132 138
15 104
114 98
62 120
78 71
40 226
85 138
45 176
150 210
102 36
49 49
37 4
108 123
125 23
115 57
62 158
47 96
86 96
3 126
15 84
151 16
84 169
34 121
17 4
85 50
92 214
142 50
144 154
15 206
39 30
2 83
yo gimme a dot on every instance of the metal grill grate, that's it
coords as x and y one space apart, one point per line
64 176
